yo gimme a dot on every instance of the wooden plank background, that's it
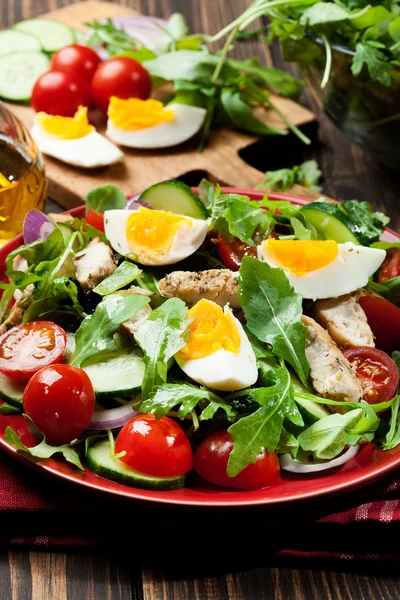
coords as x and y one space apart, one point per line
24 575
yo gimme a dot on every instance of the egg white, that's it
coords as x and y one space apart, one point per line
90 151
187 240
223 370
349 272
188 121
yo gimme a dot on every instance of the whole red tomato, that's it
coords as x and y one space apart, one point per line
122 77
60 93
211 461
158 448
60 401
27 348
76 58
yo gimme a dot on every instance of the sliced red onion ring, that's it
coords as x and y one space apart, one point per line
133 202
295 466
149 31
113 418
36 226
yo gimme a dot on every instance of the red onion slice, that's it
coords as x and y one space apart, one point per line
295 466
36 226
149 31
133 202
113 418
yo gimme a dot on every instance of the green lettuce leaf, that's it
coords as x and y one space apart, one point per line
392 438
369 225
106 197
125 273
161 336
44 450
273 310
96 332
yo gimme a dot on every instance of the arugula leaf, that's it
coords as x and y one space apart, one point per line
281 81
307 174
370 225
327 437
43 450
125 273
105 197
287 444
62 298
273 310
390 289
392 438
116 40
189 65
239 115
370 53
9 409
262 429
162 335
184 398
96 332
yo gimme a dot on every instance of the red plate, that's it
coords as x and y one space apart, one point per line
370 464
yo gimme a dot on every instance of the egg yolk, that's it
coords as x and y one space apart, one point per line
66 128
134 114
210 330
301 256
152 232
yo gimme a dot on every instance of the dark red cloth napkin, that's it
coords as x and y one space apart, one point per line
37 511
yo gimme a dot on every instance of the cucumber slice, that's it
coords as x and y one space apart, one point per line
175 197
119 375
17 41
312 411
330 222
98 461
11 391
19 72
52 35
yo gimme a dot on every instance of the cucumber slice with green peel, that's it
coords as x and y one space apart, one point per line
330 222
312 411
52 35
17 41
19 72
116 375
11 391
176 197
98 461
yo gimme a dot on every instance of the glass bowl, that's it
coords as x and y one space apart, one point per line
23 183
367 111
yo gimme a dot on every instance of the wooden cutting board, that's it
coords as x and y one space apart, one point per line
220 160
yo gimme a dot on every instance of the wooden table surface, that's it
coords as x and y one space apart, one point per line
24 575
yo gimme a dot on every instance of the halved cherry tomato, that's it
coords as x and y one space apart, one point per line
122 77
232 253
376 371
158 448
27 348
77 58
95 219
384 319
390 267
211 460
60 401
60 93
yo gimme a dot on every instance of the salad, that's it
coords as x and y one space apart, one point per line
177 335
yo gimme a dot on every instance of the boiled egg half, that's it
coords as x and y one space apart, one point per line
218 353
148 124
73 140
154 237
322 268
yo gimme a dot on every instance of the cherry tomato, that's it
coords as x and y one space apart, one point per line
27 348
76 58
158 448
390 267
60 93
384 319
60 401
211 460
95 219
376 371
232 253
122 77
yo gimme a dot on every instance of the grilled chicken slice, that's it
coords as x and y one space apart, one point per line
345 321
218 285
93 264
331 373
131 326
